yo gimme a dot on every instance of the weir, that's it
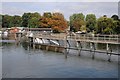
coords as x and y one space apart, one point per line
64 44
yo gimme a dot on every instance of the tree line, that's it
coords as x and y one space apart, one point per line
56 21
90 23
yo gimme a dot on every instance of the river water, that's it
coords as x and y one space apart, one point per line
19 62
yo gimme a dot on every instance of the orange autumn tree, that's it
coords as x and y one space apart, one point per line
58 23
45 20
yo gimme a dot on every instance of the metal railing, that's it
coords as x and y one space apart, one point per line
85 37
98 38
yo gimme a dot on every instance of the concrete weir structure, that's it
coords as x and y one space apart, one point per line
46 44
64 43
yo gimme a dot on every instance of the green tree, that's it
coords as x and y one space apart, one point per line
90 22
116 24
76 21
115 17
27 18
6 21
33 22
16 21
105 25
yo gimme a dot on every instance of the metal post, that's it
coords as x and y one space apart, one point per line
92 46
65 46
33 46
107 47
79 50
94 51
32 42
68 47
109 53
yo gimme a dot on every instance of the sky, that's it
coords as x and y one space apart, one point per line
99 8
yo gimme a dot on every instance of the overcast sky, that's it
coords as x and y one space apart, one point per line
67 8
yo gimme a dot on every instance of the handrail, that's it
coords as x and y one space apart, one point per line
83 37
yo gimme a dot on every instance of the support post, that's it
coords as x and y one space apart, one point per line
109 59
68 47
65 47
47 47
33 46
79 50
33 39
92 46
93 56
56 49
39 46
109 53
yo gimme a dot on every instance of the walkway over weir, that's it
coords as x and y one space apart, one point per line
108 39
78 39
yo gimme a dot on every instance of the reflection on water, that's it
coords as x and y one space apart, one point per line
25 45
114 47
22 62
